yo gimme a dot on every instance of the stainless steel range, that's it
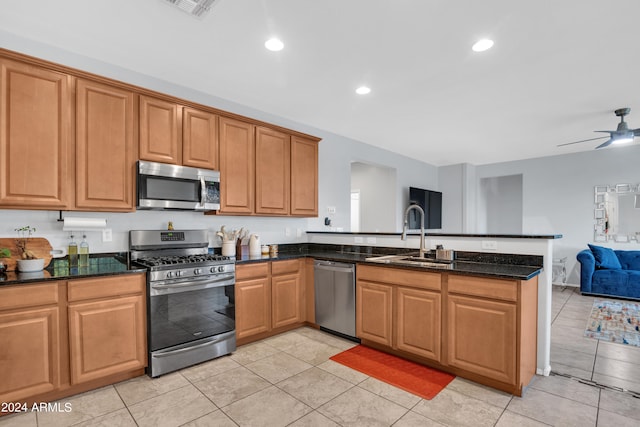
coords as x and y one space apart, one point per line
190 298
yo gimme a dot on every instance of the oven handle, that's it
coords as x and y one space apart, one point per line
182 350
229 278
203 191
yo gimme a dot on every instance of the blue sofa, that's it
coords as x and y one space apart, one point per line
604 271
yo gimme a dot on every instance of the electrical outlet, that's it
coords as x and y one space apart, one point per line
287 231
358 240
371 239
107 235
491 245
331 209
299 232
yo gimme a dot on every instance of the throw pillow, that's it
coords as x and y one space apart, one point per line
605 257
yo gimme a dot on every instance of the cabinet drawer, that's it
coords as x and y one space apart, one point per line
28 295
100 287
284 267
399 276
483 287
248 271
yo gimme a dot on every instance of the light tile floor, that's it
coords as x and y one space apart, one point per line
288 380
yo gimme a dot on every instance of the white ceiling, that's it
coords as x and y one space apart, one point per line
556 73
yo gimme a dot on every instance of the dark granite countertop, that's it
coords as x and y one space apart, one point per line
58 269
504 266
428 233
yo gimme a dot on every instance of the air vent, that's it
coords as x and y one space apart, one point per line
197 8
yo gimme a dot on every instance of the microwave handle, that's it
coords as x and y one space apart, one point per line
203 191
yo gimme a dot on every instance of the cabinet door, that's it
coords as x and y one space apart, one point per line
237 166
374 312
160 131
30 353
286 294
35 144
482 337
105 150
253 307
418 325
199 139
107 337
273 158
304 177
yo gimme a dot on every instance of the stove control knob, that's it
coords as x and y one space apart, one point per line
221 268
178 273
213 270
169 274
197 271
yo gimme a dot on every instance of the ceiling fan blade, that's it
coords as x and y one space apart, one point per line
605 144
583 140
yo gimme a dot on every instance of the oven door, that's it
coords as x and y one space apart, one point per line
185 312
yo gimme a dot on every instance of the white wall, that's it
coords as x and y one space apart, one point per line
500 205
336 153
374 183
558 194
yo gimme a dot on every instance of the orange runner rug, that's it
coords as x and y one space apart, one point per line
410 376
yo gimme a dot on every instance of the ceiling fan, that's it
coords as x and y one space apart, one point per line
619 136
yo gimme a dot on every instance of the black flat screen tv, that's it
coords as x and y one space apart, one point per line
431 203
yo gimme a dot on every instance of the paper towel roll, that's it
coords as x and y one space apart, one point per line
83 224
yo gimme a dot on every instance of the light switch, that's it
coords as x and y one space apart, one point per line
107 235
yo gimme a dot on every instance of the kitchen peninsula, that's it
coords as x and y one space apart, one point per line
529 244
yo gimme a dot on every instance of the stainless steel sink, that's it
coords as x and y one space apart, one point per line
409 260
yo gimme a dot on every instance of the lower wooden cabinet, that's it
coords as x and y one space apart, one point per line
269 296
29 353
400 309
106 337
481 328
60 338
253 299
374 308
482 337
286 293
419 322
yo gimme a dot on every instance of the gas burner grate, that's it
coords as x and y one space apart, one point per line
181 259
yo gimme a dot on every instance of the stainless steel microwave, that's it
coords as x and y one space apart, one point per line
165 186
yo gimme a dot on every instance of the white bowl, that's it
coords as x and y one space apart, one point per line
30 265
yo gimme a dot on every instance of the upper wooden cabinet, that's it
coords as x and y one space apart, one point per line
273 160
105 147
159 131
237 166
35 142
304 177
264 171
199 139
171 133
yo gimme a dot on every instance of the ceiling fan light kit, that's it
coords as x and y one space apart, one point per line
622 134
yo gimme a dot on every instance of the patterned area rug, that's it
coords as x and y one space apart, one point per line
615 321
409 376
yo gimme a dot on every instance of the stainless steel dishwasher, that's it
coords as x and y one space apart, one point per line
335 297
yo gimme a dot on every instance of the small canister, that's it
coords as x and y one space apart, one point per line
265 250
273 251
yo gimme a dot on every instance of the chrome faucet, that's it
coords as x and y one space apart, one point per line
406 223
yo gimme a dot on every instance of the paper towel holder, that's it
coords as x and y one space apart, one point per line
90 223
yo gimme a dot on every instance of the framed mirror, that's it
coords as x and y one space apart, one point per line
617 213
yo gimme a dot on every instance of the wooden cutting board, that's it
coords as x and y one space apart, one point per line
38 245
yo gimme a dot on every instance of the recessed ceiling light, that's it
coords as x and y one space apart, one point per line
363 90
274 44
482 45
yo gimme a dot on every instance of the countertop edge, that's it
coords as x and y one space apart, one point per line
495 236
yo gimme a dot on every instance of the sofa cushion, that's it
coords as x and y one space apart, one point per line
605 257
629 260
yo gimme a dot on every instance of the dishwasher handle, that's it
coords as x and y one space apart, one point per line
334 266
